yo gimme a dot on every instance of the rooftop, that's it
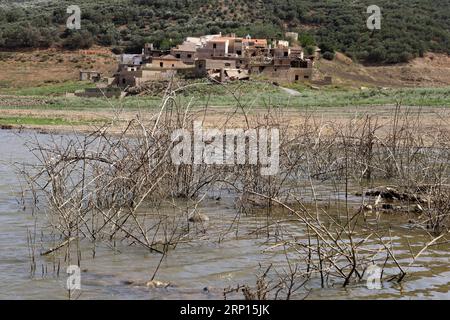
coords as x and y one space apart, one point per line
166 57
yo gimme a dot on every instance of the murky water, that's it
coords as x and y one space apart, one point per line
191 267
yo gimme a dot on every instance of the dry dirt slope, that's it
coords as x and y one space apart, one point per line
433 70
38 67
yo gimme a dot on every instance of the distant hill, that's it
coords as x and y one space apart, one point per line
409 27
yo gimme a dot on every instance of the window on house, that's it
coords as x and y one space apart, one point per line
173 65
227 64
214 46
161 64
239 52
123 80
306 77
285 53
189 56
296 77
178 56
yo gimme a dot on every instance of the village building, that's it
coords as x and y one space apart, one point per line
166 62
282 44
131 59
281 52
249 43
297 52
202 66
282 72
218 57
235 45
186 52
215 48
149 52
160 68
90 75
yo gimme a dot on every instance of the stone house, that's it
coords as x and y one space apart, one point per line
86 75
297 52
281 52
161 68
133 77
249 43
284 69
149 52
131 59
215 48
186 52
166 62
202 66
282 72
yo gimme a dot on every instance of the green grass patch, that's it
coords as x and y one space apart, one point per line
249 94
54 89
35 121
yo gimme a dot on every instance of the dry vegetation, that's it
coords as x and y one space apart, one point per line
103 187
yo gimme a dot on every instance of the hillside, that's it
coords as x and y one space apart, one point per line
37 68
409 27
431 70
49 67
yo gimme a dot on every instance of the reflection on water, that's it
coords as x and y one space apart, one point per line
198 269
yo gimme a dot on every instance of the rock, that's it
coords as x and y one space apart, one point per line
198 217
157 284
389 193
148 284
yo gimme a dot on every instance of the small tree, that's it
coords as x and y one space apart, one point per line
328 55
78 40
306 40
309 50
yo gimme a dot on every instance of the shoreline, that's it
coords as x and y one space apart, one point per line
48 121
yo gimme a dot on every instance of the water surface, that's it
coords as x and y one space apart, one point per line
193 267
